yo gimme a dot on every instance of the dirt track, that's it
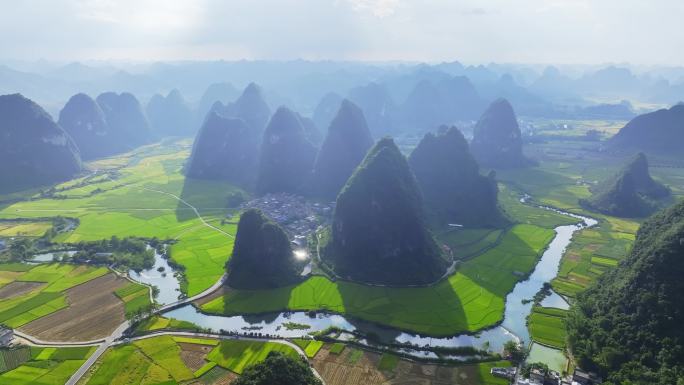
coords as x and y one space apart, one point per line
94 312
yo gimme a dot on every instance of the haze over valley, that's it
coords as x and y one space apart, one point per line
341 192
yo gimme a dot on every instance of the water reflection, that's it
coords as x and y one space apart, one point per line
164 280
513 327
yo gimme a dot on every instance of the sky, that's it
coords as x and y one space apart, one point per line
471 31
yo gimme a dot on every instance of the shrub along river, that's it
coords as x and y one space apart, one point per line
513 326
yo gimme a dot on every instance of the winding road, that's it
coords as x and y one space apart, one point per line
116 335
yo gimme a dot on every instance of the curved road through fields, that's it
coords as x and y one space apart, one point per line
107 342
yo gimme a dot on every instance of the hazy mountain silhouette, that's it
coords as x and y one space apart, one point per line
250 107
497 141
83 119
34 150
449 177
377 106
658 133
326 110
126 119
345 146
224 149
216 92
171 115
287 156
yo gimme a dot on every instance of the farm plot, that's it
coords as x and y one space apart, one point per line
34 291
547 326
173 359
47 366
93 312
236 355
135 297
144 202
24 228
592 252
358 367
469 300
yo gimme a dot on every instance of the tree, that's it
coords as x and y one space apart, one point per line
279 369
514 351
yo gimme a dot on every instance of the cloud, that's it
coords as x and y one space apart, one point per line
472 31
379 8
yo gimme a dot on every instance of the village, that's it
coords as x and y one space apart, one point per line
540 377
297 215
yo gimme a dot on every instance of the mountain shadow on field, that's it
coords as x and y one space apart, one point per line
413 309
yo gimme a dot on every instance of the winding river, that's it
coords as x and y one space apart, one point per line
513 326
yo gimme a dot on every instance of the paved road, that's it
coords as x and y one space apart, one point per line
118 332
109 341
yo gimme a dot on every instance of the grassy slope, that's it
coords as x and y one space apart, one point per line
125 208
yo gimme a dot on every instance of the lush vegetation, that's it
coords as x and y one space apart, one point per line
310 347
47 366
379 233
237 355
547 326
280 369
628 326
262 256
450 180
126 253
469 300
136 298
137 198
630 193
346 143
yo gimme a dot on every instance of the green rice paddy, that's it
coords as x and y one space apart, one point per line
388 362
469 300
47 366
47 295
547 326
236 355
135 297
133 195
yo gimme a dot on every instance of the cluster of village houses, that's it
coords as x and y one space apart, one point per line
538 377
297 215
